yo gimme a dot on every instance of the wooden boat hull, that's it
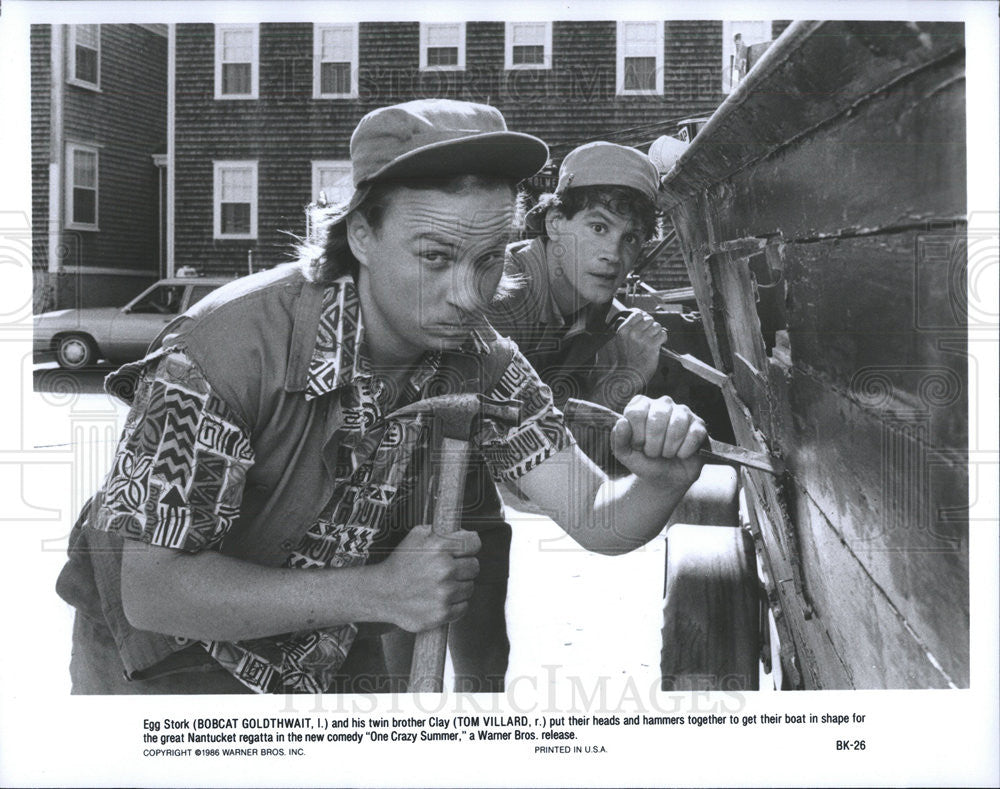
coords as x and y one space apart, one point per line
822 215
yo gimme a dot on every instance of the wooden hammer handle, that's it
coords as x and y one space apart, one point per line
427 668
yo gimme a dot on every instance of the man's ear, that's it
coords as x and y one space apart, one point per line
554 221
359 236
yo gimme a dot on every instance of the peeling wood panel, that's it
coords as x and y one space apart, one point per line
821 212
883 489
870 319
897 160
865 628
818 71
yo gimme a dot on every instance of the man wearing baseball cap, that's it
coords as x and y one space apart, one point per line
263 517
582 241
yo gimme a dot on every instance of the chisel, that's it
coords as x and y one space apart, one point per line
690 363
584 412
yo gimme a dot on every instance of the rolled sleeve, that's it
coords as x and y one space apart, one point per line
178 473
511 452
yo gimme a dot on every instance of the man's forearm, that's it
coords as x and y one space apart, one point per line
627 513
609 516
216 597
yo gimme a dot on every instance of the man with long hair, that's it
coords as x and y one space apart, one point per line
265 517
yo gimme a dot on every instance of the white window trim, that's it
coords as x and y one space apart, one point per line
620 61
727 48
322 164
218 166
254 64
460 66
72 79
71 149
318 62
508 49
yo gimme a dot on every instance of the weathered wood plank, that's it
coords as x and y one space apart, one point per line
826 179
818 72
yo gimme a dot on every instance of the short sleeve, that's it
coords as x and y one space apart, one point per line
512 452
179 470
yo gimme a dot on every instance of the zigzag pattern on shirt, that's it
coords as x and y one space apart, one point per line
180 431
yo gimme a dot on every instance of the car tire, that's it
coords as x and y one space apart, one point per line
75 351
711 617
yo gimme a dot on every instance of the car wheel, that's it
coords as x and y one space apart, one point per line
75 351
711 616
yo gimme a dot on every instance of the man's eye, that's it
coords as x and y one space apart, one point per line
599 227
435 258
631 238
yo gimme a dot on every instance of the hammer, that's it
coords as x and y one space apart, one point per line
605 419
457 415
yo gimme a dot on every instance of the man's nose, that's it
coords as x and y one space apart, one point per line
613 250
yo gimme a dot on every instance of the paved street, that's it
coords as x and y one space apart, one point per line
51 378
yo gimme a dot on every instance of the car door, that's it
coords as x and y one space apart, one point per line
142 319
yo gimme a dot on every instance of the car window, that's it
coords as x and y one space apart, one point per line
198 292
162 300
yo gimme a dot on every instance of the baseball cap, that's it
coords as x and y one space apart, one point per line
608 164
438 137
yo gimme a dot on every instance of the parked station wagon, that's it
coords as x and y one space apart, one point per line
77 338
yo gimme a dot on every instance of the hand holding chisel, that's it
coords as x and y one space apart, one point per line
585 412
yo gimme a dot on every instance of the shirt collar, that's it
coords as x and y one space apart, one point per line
338 358
531 260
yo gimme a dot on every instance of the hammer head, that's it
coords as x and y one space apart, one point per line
458 412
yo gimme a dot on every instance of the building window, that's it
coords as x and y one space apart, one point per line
85 55
81 187
528 45
235 199
442 46
640 59
335 61
332 181
236 61
734 52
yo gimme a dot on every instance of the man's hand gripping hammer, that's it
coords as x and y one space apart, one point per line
457 415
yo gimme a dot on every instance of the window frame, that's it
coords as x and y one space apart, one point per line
73 79
620 56
425 28
321 164
218 166
220 30
726 85
71 150
318 28
508 48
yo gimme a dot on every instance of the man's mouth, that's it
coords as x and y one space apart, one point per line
609 278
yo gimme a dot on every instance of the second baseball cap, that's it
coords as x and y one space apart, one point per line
608 164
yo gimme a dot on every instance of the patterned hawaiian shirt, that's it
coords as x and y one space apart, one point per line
180 468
